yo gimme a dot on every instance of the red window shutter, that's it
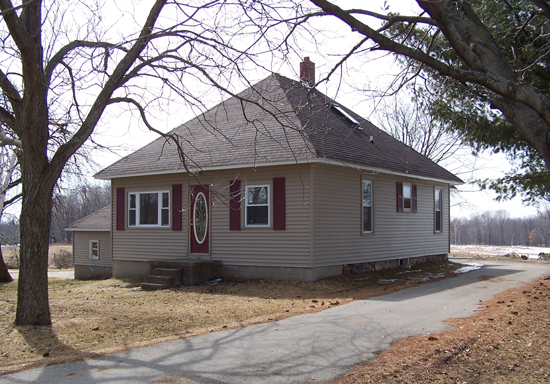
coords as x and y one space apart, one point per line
399 196
176 207
120 211
235 205
279 204
413 195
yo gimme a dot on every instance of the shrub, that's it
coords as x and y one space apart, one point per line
63 259
11 256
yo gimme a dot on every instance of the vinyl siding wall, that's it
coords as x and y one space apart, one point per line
246 247
81 248
142 244
263 246
338 237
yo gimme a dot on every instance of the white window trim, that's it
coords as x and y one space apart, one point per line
160 208
410 197
440 190
90 249
246 187
371 205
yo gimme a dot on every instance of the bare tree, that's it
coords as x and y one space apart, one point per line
411 123
9 182
74 203
61 68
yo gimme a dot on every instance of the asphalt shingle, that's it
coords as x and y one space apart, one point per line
275 121
99 220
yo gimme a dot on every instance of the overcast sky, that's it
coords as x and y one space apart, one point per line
123 133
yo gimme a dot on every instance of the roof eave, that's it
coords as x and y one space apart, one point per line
358 167
88 229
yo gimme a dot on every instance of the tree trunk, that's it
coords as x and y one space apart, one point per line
32 293
5 276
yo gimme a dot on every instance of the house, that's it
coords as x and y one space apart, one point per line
280 182
92 245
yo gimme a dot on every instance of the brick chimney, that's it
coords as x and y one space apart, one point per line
307 72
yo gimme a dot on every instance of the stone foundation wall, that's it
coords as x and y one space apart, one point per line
387 264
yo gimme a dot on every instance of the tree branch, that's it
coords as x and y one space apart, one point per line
18 33
503 86
58 57
25 4
6 140
66 150
7 118
10 91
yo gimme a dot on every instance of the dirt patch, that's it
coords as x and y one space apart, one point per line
508 341
94 318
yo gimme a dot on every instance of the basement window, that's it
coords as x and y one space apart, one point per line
404 263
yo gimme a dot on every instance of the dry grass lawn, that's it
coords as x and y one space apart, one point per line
98 317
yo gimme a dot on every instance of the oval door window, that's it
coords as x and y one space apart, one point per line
200 218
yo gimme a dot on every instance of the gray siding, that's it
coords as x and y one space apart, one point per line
332 233
338 237
247 247
264 246
142 244
81 248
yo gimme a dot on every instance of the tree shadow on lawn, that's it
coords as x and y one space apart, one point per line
42 341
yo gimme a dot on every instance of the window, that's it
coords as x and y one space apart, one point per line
367 206
257 206
149 209
406 197
438 194
94 249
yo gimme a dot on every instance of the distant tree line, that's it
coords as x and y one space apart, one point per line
69 205
72 204
498 228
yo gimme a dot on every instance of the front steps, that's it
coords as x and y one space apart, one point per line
165 274
162 278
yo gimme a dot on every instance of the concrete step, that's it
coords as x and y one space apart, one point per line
154 286
158 279
173 272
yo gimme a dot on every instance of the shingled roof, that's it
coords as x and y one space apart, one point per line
97 221
277 121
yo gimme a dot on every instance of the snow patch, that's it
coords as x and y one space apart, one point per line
469 268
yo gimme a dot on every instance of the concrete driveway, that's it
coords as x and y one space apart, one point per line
309 348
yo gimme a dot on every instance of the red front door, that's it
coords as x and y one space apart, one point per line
200 220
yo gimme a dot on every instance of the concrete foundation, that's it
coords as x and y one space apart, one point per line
198 271
279 273
122 269
87 272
